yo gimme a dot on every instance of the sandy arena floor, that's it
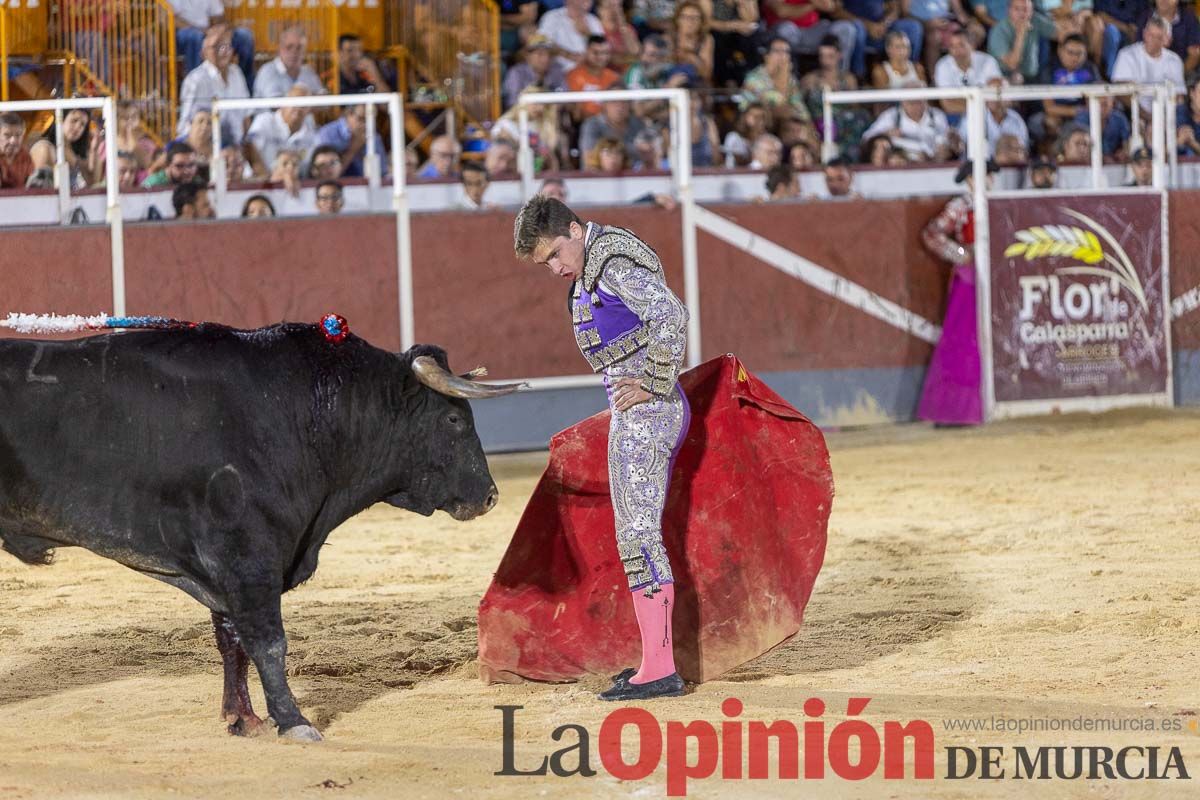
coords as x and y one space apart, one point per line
1044 568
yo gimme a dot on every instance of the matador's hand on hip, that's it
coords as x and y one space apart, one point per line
628 393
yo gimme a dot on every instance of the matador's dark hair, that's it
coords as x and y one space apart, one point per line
541 218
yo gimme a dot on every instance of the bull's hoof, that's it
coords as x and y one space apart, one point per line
245 725
302 733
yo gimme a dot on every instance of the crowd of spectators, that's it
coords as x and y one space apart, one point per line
756 70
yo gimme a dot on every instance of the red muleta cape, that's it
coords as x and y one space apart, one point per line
745 526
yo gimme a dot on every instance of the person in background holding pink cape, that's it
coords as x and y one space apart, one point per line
951 395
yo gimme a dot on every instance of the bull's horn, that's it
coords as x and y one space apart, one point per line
429 373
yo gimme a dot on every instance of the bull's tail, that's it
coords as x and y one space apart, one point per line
74 323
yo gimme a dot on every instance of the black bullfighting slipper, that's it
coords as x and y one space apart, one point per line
670 686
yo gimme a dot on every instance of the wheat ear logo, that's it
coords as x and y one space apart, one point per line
1066 241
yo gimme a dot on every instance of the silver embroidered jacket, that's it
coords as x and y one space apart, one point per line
623 279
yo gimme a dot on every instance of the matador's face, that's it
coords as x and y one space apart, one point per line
563 255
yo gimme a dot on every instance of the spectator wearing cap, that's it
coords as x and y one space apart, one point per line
568 29
593 74
277 77
1017 41
999 121
539 68
783 183
654 68
1149 61
1187 119
917 129
801 24
1185 30
474 186
839 180
962 66
16 165
1043 173
1141 166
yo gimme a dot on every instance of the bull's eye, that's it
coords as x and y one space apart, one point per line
454 419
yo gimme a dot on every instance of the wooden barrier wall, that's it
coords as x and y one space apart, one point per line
476 300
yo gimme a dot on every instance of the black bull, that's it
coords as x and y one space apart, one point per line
219 460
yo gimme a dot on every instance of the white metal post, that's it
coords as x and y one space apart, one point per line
216 167
1158 140
403 230
691 266
524 152
371 163
829 146
1096 131
116 223
1172 149
982 257
62 173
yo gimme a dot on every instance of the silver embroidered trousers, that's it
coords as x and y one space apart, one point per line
642 445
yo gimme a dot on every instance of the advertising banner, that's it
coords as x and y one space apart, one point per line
1078 306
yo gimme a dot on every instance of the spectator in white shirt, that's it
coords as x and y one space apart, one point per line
963 65
569 28
288 128
215 79
920 132
193 18
1149 61
288 69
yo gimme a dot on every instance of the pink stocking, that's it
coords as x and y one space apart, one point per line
654 621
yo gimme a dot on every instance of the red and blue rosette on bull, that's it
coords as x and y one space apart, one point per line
335 328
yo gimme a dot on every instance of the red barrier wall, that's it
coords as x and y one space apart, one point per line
476 300
55 270
249 273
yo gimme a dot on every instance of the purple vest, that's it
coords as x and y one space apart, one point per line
605 329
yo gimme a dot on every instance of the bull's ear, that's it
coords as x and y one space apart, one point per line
442 381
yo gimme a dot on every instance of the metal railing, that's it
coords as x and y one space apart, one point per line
108 108
371 163
455 43
125 48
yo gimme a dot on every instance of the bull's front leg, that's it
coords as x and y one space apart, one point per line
260 627
236 709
